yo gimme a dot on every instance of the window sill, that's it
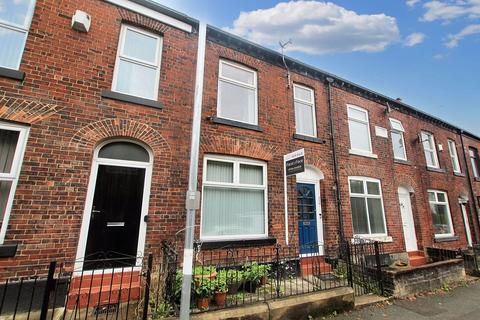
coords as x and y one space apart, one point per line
477 179
446 239
308 138
432 169
131 99
400 161
12 74
374 238
234 123
8 250
459 174
219 244
363 154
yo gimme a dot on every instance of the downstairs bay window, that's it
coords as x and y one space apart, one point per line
12 145
234 199
367 207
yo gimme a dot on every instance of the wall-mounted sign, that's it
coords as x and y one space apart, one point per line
294 162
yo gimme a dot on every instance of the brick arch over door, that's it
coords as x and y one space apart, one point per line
236 147
88 137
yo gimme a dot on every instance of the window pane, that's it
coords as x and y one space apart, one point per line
396 125
303 94
237 74
304 119
398 145
233 212
237 103
373 188
430 158
251 174
375 213
11 48
136 80
359 215
219 171
356 186
431 196
4 193
8 145
440 219
124 151
441 197
359 138
140 46
15 11
357 114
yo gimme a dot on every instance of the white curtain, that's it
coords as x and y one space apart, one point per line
219 171
251 174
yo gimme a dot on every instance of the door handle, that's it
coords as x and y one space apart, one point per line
96 211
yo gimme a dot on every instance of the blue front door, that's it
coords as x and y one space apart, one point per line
307 218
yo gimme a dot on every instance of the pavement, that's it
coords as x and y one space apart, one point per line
462 302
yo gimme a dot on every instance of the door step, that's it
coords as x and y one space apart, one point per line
89 291
314 266
416 258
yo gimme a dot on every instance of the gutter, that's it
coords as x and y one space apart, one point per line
329 82
472 191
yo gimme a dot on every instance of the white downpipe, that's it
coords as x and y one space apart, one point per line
193 174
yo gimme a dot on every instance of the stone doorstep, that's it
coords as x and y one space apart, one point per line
291 308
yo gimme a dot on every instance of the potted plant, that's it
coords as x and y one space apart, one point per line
221 287
204 288
204 272
235 280
264 271
252 276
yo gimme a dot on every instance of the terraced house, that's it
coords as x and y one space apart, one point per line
96 114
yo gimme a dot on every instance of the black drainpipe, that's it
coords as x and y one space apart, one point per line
472 191
329 82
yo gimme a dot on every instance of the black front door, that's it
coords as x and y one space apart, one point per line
115 218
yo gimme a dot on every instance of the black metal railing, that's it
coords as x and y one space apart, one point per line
365 259
123 287
439 254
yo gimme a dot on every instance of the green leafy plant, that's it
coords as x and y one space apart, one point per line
221 281
162 310
204 270
204 287
253 271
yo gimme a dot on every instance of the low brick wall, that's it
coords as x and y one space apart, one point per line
404 282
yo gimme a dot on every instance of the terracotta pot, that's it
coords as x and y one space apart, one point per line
210 276
203 303
263 280
220 298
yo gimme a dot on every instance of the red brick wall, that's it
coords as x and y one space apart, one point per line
65 74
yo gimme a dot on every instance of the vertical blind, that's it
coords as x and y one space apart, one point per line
234 208
8 146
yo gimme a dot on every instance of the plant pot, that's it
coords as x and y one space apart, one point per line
263 280
203 303
220 298
210 276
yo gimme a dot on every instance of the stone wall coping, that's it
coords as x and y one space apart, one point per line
426 266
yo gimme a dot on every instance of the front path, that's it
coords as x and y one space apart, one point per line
459 303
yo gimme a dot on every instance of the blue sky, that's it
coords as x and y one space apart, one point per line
426 52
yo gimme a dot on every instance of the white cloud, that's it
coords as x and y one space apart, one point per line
412 3
414 39
317 27
454 39
449 10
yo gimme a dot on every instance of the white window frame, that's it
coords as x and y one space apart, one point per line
14 173
222 78
237 185
401 133
436 192
25 28
368 153
434 150
122 56
452 150
474 161
310 103
366 196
